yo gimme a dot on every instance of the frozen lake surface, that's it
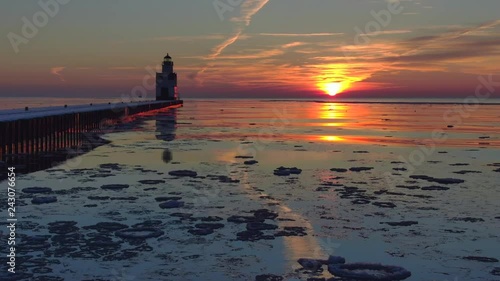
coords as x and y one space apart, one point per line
409 185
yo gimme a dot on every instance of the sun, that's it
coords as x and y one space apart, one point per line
333 88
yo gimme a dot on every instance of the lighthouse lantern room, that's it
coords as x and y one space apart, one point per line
166 81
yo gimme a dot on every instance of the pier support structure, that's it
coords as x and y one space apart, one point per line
47 131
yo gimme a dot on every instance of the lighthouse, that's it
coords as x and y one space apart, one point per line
166 81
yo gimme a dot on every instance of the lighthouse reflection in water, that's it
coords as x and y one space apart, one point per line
166 123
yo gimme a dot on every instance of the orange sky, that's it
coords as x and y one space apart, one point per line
261 48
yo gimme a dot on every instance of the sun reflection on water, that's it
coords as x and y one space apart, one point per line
331 138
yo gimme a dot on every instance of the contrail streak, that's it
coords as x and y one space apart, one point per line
218 50
248 9
57 71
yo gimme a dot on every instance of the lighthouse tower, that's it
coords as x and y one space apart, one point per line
166 81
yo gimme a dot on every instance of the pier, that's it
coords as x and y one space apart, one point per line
27 133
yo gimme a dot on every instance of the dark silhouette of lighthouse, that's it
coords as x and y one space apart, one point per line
166 81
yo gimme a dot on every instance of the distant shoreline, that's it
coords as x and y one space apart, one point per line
386 102
19 104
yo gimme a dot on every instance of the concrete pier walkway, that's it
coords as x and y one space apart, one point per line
28 132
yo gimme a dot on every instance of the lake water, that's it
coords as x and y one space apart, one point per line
420 191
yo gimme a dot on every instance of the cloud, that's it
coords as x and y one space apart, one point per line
300 34
248 9
57 72
189 38
307 61
389 32
259 55
293 44
459 51
123 68
226 43
435 41
440 56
